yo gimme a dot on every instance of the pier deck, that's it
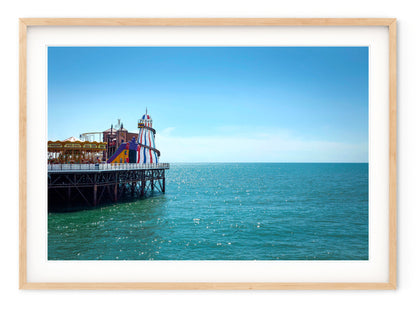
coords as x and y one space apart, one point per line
92 184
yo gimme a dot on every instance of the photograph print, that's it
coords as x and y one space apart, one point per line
208 153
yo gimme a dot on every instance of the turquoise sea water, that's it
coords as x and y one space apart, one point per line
228 211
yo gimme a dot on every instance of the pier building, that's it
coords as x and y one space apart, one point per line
113 137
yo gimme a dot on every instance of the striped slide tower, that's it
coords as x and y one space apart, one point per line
146 149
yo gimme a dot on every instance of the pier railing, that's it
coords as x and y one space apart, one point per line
107 166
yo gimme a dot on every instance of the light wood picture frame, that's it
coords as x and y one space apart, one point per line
26 23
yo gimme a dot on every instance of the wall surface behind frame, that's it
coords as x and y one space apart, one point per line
401 299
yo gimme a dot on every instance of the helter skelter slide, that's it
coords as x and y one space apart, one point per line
141 151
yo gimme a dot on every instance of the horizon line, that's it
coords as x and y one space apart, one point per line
286 162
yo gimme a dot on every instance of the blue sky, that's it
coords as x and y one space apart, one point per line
218 104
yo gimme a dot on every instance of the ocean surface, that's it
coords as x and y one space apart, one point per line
228 211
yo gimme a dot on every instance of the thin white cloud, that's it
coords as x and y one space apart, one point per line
262 148
167 131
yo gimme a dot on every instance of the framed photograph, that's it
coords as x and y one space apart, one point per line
213 153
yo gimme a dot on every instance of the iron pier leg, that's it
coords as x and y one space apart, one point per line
152 184
115 192
142 184
163 184
95 195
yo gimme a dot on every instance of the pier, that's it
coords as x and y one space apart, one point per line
93 184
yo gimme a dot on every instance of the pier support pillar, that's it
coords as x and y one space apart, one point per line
115 192
95 195
163 181
142 187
